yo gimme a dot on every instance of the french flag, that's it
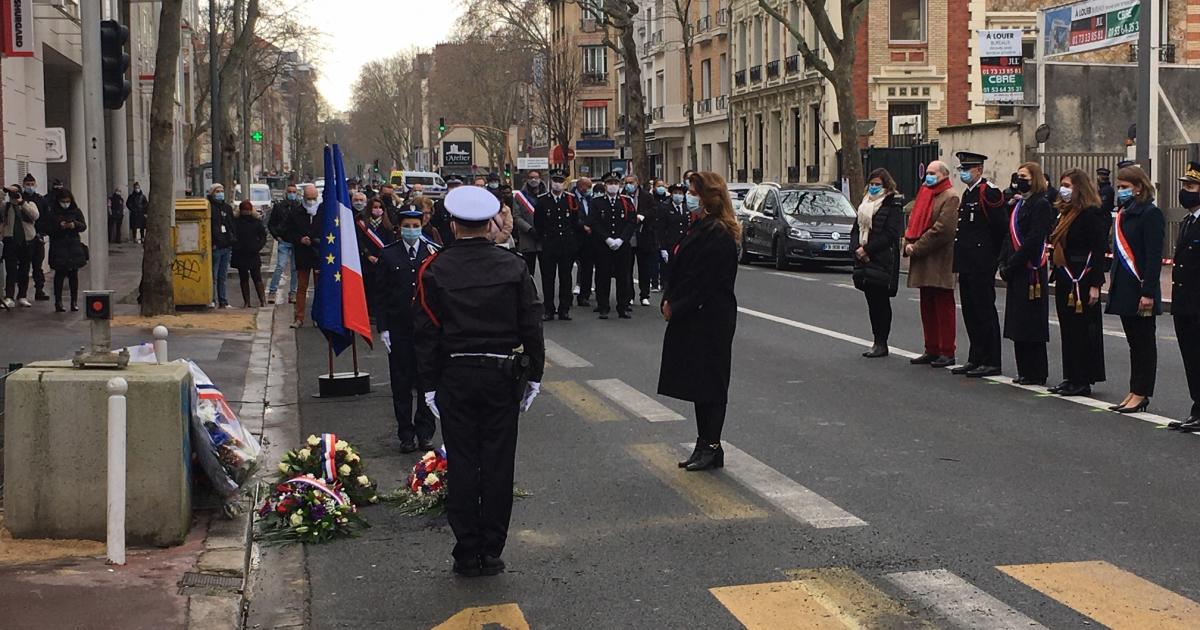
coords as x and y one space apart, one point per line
340 302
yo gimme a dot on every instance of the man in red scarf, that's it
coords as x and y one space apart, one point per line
930 248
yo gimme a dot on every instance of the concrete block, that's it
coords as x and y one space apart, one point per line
55 456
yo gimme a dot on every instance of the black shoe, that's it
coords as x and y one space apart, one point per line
876 351
695 453
583 302
924 359
490 565
73 307
1021 380
468 569
964 368
1192 425
1057 388
711 456
624 315
425 445
1177 425
41 297
563 317
942 362
1075 390
408 446
1139 408
603 315
548 317
58 308
983 371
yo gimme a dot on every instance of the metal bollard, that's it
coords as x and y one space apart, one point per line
115 539
160 344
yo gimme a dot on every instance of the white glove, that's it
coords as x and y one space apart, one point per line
665 255
641 217
616 244
431 402
386 338
532 390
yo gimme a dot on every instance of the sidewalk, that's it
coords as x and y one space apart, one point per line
66 584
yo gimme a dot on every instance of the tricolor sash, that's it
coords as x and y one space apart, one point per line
329 456
369 234
1014 234
524 201
1124 251
1075 297
320 486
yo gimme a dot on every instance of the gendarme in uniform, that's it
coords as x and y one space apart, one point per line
475 307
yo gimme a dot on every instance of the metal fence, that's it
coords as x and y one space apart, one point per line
1055 164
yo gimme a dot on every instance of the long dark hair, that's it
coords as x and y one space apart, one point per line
715 201
889 183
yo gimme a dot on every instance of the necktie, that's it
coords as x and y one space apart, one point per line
1187 223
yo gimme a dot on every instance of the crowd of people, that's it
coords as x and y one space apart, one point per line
1080 235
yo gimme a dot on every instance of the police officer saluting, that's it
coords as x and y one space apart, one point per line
556 219
1185 293
982 225
475 305
612 223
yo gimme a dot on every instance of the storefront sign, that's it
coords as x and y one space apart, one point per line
457 153
18 27
1002 66
532 163
1090 25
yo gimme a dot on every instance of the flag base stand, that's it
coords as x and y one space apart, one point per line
340 384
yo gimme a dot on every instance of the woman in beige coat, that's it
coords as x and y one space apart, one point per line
930 248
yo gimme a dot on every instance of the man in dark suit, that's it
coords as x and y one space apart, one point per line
645 238
556 220
982 226
613 221
586 258
398 265
1185 292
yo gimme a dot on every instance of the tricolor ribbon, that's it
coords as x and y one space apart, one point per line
1014 233
371 235
1124 251
524 201
320 486
329 456
1075 298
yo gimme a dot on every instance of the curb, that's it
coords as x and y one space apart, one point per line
1166 304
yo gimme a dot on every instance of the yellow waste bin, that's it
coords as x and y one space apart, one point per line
191 236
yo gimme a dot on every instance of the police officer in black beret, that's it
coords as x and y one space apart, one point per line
613 222
1185 292
556 219
982 226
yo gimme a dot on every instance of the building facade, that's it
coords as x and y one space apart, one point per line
579 36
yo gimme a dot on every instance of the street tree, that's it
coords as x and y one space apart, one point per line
618 18
841 44
681 12
158 257
387 106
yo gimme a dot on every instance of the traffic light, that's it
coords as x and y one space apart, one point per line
442 126
507 169
97 304
114 63
376 165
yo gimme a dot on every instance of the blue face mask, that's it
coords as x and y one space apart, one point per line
931 180
293 196
874 189
693 203
965 176
677 198
1124 195
220 196
410 234
630 188
661 190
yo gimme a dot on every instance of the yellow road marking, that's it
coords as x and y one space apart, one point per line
853 600
1110 595
583 401
715 498
776 606
506 616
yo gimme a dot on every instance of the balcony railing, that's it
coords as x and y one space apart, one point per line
589 25
722 103
773 69
704 106
658 113
595 78
723 17
739 78
594 133
791 64
755 74
703 25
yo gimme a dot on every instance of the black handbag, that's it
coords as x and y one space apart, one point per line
871 277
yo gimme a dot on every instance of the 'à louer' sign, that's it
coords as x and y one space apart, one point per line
1002 66
1089 25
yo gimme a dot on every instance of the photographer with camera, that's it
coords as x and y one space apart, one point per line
17 224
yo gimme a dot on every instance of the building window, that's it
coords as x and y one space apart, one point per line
595 61
706 78
906 123
595 122
723 67
908 21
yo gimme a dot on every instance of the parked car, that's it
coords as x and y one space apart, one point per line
805 223
737 193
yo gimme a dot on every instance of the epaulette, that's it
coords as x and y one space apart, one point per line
433 247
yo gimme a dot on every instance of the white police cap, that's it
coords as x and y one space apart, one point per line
472 203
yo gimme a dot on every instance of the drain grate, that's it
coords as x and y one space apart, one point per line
210 580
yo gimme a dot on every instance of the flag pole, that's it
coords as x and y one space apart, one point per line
354 351
330 346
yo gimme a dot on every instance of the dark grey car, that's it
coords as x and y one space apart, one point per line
805 223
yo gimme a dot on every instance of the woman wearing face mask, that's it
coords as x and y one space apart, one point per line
876 234
251 237
701 312
1135 294
1023 257
375 232
68 254
1080 242
425 205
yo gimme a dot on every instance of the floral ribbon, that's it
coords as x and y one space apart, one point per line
1014 233
1124 251
320 486
329 456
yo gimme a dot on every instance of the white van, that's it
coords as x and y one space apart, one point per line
432 184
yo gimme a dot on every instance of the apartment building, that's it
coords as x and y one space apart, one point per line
576 34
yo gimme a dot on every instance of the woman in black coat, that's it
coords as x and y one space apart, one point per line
1023 261
67 251
1080 244
701 312
877 259
247 258
1135 294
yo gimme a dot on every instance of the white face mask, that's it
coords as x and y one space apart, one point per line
1064 193
557 187
612 189
311 205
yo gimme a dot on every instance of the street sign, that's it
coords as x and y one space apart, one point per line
1090 25
256 136
1002 65
532 163
56 144
457 153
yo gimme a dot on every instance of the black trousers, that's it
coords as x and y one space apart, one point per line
1187 331
1082 337
978 294
1032 362
1143 353
557 266
531 259
619 265
16 269
479 424
402 370
245 276
587 269
879 307
114 229
648 265
37 256
59 278
710 419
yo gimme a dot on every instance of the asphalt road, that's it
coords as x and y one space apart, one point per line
856 493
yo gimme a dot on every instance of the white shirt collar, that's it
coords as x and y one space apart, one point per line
1196 213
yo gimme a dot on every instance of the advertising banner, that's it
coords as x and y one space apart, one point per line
1090 25
1002 66
457 153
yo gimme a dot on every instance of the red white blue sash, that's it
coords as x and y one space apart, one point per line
1014 234
370 235
1124 251
524 201
1075 298
320 486
329 457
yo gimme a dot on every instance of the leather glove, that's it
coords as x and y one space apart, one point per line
665 255
386 338
532 390
617 243
431 402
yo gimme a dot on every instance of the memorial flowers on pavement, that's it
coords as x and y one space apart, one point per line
424 491
326 457
308 510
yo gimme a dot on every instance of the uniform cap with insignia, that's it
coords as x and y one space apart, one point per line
612 176
1127 164
472 204
557 175
1192 174
412 214
1103 172
674 187
967 158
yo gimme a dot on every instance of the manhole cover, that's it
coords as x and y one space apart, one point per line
210 580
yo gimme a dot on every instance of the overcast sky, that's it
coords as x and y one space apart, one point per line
357 31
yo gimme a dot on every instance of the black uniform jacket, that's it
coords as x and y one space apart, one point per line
474 297
883 243
397 286
612 217
982 226
650 210
1143 225
698 345
673 225
1185 277
557 221
1026 319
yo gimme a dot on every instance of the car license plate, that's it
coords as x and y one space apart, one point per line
837 247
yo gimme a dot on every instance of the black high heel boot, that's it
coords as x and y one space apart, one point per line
1138 408
695 453
711 456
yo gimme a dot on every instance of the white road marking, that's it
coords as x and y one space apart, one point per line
634 401
562 357
824 331
799 502
794 276
843 285
960 602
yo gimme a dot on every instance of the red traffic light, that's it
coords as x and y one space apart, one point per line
98 304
